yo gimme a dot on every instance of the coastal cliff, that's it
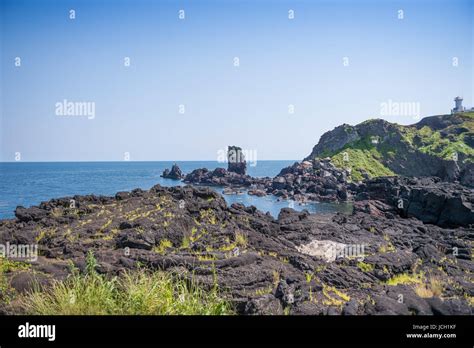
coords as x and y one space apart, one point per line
439 146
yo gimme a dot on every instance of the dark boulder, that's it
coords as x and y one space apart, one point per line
236 160
265 305
30 214
174 174
427 199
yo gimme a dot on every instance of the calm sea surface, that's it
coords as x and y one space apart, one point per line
28 183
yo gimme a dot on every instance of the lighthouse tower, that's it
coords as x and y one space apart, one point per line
457 105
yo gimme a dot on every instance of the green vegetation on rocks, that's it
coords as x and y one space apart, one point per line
445 142
132 293
237 259
7 266
379 148
360 157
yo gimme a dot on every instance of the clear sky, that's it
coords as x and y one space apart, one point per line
283 62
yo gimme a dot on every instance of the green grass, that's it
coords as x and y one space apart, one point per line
164 245
433 287
433 143
186 242
333 296
7 266
241 239
365 267
406 278
361 156
132 293
208 216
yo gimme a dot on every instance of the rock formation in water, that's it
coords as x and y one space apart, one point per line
174 174
236 160
220 177
437 146
316 180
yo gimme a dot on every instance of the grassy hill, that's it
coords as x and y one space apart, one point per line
438 145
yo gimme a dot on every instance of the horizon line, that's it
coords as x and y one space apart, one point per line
120 161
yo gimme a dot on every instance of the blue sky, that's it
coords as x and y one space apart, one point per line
283 62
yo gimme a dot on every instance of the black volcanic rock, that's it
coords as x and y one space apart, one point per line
428 199
466 176
174 174
221 177
261 264
30 214
236 160
317 180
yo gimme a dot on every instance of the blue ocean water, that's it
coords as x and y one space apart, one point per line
30 183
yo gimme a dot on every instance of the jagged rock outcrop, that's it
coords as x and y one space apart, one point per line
220 177
174 174
317 180
236 160
342 135
428 199
466 176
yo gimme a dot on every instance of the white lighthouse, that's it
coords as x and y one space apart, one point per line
457 105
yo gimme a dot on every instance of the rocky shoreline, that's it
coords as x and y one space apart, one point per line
384 258
317 181
405 249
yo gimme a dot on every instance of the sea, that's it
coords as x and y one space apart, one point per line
30 183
